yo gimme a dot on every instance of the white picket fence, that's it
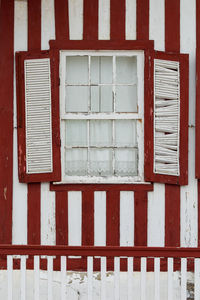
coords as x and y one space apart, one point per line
63 254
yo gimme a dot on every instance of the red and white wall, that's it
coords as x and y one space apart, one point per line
161 215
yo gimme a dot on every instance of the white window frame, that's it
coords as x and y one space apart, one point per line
103 116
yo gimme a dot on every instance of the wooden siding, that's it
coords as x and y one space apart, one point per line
168 215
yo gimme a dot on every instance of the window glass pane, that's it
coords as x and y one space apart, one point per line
76 162
126 162
125 133
77 98
126 98
101 69
126 70
77 70
76 133
106 99
100 162
100 133
101 99
95 98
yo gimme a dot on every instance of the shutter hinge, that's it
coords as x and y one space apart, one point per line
59 81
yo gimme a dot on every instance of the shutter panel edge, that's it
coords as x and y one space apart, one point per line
152 174
34 164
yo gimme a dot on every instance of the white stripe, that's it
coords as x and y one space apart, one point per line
131 19
156 216
126 218
157 23
47 215
100 218
75 19
19 218
47 23
74 218
104 19
189 197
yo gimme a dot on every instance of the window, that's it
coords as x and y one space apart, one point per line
102 116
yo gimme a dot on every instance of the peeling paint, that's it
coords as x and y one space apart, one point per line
5 193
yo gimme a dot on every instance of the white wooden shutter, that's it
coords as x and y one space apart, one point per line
166 117
38 120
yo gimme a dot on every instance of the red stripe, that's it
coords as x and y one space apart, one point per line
88 218
6 118
197 162
34 43
172 215
112 217
142 20
61 218
172 192
34 24
172 25
140 212
90 20
117 19
61 19
33 213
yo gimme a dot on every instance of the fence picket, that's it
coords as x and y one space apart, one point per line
9 275
23 277
116 278
157 277
63 277
197 279
50 277
36 277
103 278
183 279
143 278
170 278
90 276
130 278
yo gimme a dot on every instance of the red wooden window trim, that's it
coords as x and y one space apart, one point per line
150 55
146 46
182 179
56 174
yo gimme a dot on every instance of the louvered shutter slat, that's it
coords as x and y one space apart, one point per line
166 117
38 116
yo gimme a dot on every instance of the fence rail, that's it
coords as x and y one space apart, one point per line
119 260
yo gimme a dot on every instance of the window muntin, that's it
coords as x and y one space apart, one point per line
102 116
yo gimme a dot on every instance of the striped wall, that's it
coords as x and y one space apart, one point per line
166 216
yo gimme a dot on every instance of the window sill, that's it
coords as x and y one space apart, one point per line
136 186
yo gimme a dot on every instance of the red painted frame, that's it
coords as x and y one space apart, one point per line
56 174
108 251
150 55
182 179
147 47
